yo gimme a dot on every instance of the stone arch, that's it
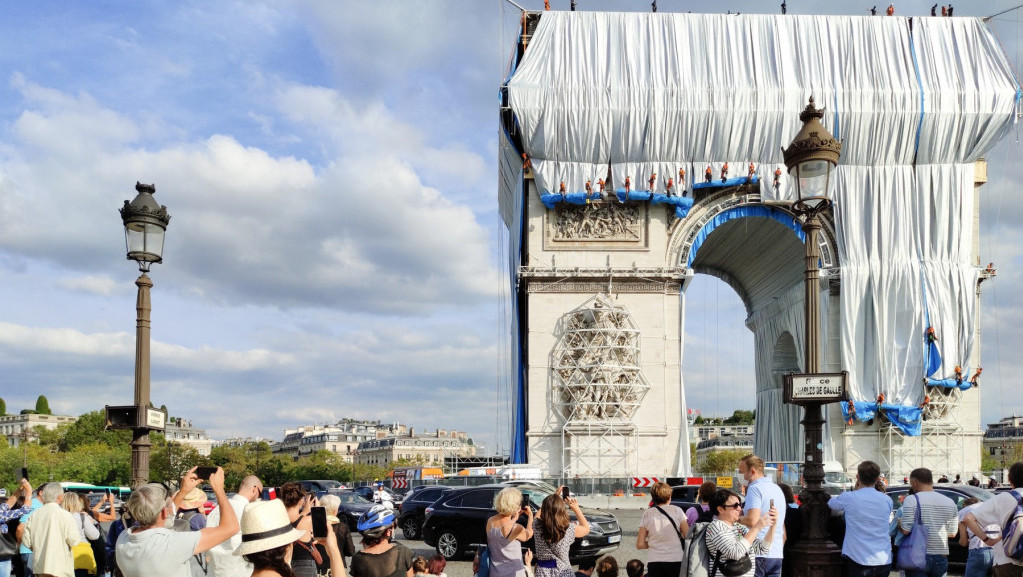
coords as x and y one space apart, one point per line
758 249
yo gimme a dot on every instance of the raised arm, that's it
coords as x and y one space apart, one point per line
582 527
210 537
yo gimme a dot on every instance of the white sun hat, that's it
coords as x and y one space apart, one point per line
265 525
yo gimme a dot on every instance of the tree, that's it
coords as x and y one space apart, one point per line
740 418
721 462
90 428
3 408
43 406
698 420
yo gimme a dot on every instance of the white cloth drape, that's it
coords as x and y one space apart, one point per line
647 93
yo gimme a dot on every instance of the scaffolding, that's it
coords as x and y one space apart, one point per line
598 387
941 437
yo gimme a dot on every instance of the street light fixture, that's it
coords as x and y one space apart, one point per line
810 158
145 222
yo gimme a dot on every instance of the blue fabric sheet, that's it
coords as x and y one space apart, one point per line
682 204
549 200
906 419
962 385
717 182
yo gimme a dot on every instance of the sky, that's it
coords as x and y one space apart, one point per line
330 168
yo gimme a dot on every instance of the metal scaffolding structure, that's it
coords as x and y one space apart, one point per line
941 438
597 388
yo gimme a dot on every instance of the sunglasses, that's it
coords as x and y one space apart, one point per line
733 506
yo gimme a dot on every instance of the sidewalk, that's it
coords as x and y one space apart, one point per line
610 502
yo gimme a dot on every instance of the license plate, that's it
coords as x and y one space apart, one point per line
614 538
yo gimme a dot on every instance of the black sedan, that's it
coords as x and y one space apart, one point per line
352 507
457 522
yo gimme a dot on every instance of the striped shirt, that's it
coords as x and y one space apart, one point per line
730 541
938 513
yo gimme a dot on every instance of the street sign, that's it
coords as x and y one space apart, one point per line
644 481
724 482
815 388
156 418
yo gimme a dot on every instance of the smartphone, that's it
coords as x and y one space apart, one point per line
205 472
770 504
319 517
525 501
564 492
20 473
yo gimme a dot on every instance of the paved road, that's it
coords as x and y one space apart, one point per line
628 519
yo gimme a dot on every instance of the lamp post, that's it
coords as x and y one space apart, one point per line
145 222
810 158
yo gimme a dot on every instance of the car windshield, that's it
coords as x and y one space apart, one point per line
331 484
537 491
352 498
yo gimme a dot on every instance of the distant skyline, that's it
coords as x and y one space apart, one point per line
331 172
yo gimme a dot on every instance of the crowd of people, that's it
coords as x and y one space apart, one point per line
163 533
753 533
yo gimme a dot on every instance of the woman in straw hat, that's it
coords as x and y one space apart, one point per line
268 538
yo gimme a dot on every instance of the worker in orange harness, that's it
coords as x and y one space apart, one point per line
708 174
749 175
724 172
891 9
777 179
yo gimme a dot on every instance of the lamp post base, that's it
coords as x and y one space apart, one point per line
815 558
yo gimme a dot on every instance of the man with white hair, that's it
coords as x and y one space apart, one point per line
50 533
151 549
223 561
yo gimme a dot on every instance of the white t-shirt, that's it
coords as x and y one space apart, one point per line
996 511
223 561
991 530
662 536
156 552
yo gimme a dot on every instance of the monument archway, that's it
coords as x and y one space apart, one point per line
602 112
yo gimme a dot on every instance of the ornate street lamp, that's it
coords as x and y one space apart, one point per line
810 159
145 223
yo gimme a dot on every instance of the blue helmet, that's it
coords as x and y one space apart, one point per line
379 517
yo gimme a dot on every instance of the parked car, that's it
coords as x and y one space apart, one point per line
412 509
683 496
456 522
321 487
958 492
352 506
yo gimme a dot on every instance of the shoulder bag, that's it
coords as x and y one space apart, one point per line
912 554
673 526
82 552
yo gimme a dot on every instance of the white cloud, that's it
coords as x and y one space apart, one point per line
100 285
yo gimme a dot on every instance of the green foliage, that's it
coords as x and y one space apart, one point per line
43 406
168 461
720 462
740 418
3 408
89 428
698 420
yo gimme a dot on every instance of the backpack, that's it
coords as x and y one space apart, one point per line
1012 533
484 555
696 562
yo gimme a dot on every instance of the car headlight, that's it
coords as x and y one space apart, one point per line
596 530
585 543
